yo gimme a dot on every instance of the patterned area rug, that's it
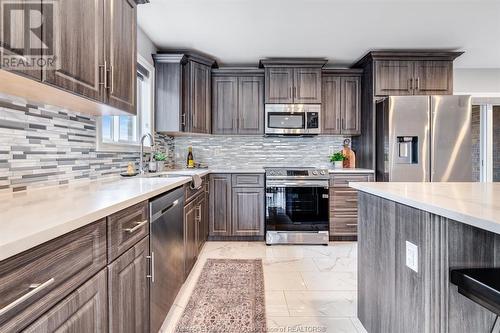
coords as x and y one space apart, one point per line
228 298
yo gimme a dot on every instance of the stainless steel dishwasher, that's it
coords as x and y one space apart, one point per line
167 253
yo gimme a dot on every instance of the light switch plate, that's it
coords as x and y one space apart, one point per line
412 256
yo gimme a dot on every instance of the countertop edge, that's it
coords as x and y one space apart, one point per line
468 219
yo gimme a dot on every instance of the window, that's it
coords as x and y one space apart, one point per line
123 133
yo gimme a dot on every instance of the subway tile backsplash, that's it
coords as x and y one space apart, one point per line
46 146
257 150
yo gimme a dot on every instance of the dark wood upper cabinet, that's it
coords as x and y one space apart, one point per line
293 80
128 290
307 85
248 211
393 77
433 77
121 54
350 105
15 46
408 72
330 113
224 105
279 85
183 94
94 44
199 98
251 105
80 45
237 101
413 73
341 108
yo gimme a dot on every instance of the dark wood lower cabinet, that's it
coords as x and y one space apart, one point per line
191 212
84 310
344 205
248 211
236 206
129 290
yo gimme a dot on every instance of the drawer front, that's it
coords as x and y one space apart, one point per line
126 228
35 280
343 199
84 310
248 180
344 179
190 194
346 225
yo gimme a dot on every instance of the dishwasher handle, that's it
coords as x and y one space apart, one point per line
158 214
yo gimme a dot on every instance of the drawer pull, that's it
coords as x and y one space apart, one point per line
351 200
35 289
138 225
351 224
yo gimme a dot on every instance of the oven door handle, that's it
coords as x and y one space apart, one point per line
323 184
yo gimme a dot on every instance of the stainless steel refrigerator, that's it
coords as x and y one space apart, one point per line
424 138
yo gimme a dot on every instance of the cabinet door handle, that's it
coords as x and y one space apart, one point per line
152 275
35 289
138 225
343 124
291 92
410 85
104 73
111 79
198 214
294 92
417 80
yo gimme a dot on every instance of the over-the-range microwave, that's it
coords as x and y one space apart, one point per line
292 119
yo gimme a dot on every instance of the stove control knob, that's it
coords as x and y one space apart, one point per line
322 172
315 172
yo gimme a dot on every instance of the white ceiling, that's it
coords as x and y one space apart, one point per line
244 31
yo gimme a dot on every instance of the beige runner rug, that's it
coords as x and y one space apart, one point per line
228 298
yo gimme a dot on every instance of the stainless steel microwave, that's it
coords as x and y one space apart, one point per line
292 119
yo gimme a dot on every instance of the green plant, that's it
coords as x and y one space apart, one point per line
337 157
159 156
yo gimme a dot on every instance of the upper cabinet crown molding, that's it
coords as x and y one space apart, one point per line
238 71
184 56
342 71
293 62
407 55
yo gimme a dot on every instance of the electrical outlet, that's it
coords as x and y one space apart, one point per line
331 150
412 256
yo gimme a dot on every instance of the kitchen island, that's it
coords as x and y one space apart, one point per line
411 235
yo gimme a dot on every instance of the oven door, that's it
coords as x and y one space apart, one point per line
297 207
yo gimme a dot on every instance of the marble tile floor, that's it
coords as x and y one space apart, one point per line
308 288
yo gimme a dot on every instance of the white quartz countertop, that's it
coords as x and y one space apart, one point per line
476 204
351 170
30 218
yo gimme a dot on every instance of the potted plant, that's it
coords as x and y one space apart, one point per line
337 159
160 159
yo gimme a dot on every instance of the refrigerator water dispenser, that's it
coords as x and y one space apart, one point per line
407 150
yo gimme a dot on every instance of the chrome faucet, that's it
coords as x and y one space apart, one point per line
141 160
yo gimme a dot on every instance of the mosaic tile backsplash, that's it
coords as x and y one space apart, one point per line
45 146
257 151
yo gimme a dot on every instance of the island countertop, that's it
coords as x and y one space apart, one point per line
475 204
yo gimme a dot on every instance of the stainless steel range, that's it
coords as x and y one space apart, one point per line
297 206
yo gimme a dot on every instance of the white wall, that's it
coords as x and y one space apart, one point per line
145 46
477 81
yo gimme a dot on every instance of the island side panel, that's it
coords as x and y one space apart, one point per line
394 298
469 247
376 260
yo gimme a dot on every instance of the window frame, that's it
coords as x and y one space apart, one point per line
117 146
